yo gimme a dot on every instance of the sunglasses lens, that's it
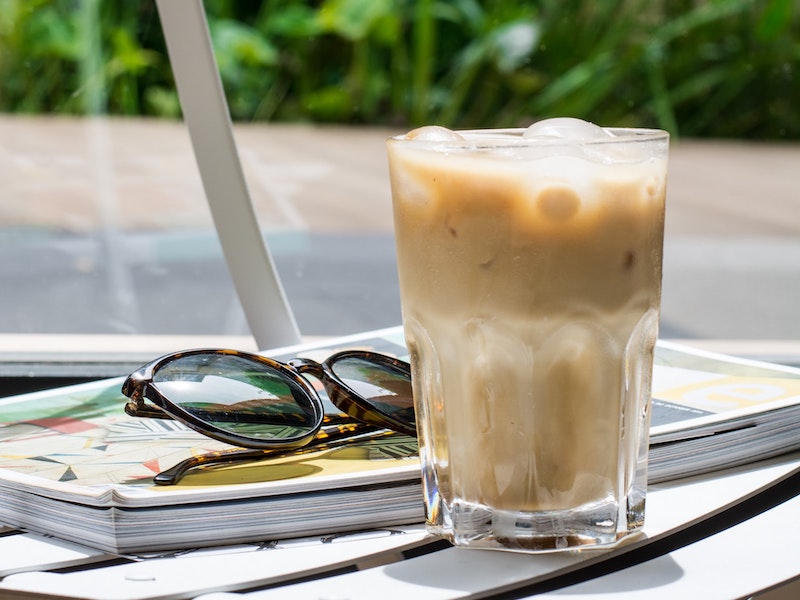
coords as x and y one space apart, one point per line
386 387
239 395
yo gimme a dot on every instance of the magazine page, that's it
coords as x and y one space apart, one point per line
696 392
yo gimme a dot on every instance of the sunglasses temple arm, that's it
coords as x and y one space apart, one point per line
329 438
148 411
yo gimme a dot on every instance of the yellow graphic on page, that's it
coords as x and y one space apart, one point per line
732 393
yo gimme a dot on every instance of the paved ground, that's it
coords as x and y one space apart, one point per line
103 229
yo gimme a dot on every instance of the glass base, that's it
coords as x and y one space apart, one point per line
596 526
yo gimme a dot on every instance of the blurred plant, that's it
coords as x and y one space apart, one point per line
722 68
48 57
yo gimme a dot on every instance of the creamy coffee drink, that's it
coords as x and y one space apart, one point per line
530 277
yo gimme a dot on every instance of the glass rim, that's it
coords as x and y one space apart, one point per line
512 137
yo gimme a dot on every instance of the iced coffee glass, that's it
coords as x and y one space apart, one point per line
530 280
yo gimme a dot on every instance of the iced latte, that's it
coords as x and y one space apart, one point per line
530 278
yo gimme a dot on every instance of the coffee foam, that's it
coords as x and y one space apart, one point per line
555 188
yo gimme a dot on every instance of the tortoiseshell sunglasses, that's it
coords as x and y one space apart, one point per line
270 407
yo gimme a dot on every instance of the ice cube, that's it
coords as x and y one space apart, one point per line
566 128
558 203
434 133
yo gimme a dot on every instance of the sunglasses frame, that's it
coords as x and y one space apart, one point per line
139 388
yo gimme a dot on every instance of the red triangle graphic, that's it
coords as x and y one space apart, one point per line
152 465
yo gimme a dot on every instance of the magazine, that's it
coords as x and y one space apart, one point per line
74 465
712 411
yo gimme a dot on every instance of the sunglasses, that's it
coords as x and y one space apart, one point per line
271 408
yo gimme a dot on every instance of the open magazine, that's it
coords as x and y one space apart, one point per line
74 465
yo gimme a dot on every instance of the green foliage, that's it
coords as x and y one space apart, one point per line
59 56
721 68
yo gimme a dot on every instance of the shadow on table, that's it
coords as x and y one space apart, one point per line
473 570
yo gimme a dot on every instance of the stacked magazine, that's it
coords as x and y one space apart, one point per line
74 465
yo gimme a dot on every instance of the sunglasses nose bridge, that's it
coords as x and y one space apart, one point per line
305 366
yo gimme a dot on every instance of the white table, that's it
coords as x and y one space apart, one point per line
689 550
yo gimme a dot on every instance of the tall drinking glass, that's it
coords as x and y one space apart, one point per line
530 280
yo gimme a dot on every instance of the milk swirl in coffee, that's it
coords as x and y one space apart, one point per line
530 275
